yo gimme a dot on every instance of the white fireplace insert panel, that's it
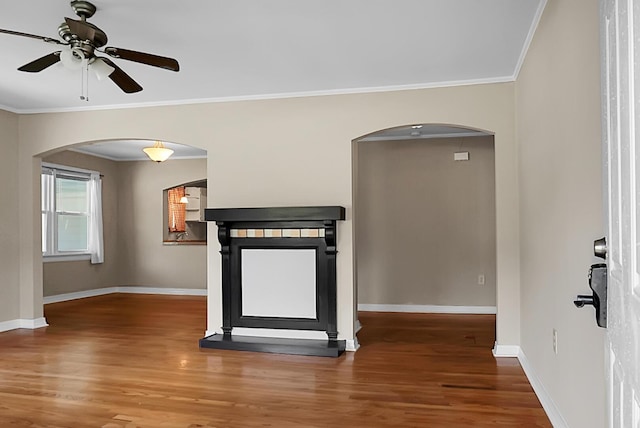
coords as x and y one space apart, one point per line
279 283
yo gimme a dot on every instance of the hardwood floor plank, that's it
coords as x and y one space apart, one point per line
126 360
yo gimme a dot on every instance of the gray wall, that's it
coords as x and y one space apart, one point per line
426 226
144 260
9 237
133 229
561 205
67 277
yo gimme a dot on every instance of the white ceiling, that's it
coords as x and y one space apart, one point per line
131 150
416 132
251 49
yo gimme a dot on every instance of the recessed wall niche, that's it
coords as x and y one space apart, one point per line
183 214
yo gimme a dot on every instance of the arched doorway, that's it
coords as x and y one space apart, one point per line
136 257
425 220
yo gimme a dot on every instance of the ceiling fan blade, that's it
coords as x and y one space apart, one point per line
122 79
144 58
82 29
41 63
32 36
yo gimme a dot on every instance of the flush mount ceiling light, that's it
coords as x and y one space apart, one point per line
158 153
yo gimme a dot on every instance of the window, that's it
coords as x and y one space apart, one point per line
71 213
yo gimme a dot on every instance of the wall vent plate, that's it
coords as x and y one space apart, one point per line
461 156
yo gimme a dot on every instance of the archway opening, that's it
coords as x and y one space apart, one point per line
137 256
425 221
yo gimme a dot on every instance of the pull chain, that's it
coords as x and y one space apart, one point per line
84 94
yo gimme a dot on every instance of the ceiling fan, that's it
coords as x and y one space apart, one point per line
81 41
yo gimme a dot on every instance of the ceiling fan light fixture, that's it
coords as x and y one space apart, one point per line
158 153
80 41
101 69
72 58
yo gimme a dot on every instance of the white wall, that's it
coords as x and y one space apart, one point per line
9 239
558 122
427 225
291 152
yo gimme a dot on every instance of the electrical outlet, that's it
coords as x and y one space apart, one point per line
481 279
555 341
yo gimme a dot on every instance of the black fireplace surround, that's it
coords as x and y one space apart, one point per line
321 220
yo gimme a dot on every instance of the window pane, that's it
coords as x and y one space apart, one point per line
45 233
71 195
72 232
45 190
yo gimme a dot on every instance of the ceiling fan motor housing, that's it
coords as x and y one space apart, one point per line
98 39
83 8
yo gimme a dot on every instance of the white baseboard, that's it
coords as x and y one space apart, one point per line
352 345
9 325
124 289
547 403
30 324
34 323
166 291
502 351
545 399
428 309
79 295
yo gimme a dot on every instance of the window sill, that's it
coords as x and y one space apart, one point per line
66 258
185 242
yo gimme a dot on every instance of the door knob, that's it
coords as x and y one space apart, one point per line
598 284
600 248
582 300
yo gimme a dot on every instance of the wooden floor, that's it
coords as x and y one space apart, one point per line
126 360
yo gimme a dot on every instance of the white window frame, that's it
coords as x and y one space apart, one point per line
51 253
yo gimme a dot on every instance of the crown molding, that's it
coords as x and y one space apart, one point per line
275 96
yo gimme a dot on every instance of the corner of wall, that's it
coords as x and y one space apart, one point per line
529 39
557 117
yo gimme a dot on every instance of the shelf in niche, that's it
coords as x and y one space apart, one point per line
184 242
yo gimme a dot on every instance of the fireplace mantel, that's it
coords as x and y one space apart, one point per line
294 239
275 214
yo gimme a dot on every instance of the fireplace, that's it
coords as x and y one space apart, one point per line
278 274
